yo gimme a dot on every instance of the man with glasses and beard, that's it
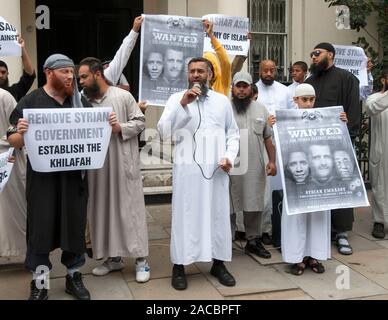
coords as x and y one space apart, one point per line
56 201
377 109
274 96
336 87
248 188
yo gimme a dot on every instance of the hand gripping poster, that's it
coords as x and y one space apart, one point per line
318 166
168 43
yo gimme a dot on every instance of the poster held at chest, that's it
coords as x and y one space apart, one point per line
168 43
67 139
318 166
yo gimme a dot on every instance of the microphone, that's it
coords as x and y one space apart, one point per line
198 86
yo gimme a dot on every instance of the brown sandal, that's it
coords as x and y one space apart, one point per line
297 269
315 265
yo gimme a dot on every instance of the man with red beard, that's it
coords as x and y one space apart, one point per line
56 201
336 87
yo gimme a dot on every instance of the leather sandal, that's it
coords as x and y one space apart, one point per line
315 266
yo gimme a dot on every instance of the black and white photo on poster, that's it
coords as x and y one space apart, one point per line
318 166
168 43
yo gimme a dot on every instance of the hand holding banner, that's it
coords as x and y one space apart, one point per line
5 168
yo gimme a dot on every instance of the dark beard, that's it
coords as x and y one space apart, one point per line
204 88
241 104
319 68
268 82
93 91
5 84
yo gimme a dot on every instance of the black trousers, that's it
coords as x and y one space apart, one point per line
342 220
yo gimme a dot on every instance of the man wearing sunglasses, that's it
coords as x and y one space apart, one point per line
336 87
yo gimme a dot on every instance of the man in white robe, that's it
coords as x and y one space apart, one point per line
116 209
274 96
13 206
377 109
207 141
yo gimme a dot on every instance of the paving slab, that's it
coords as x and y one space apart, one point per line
198 288
278 295
382 243
250 277
378 297
159 261
157 232
372 264
323 286
15 284
11 261
109 287
161 214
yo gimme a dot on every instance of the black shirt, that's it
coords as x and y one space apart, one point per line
20 89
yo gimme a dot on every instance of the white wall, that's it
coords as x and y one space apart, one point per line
10 11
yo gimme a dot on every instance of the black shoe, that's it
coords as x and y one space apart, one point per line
37 294
378 230
266 239
178 280
224 277
239 235
255 247
76 288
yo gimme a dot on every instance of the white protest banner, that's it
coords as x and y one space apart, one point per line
354 60
9 45
318 166
5 168
232 32
168 43
67 139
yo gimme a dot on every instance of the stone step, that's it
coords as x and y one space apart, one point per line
150 191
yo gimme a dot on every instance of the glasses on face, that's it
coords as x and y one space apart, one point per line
317 53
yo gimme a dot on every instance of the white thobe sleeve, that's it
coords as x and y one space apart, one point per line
120 60
232 135
7 105
375 106
174 117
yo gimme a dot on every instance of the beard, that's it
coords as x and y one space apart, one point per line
268 81
4 83
59 86
241 104
204 87
318 68
93 91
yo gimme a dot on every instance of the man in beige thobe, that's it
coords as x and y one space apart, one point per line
116 208
13 205
377 109
248 185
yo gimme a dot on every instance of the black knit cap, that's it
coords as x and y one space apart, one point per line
326 46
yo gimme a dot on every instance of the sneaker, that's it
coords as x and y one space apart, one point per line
76 287
378 230
142 271
37 294
108 266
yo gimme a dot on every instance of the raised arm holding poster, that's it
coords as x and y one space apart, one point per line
318 166
232 32
167 45
67 139
9 45
5 168
354 60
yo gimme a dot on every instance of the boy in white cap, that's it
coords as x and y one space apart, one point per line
305 237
